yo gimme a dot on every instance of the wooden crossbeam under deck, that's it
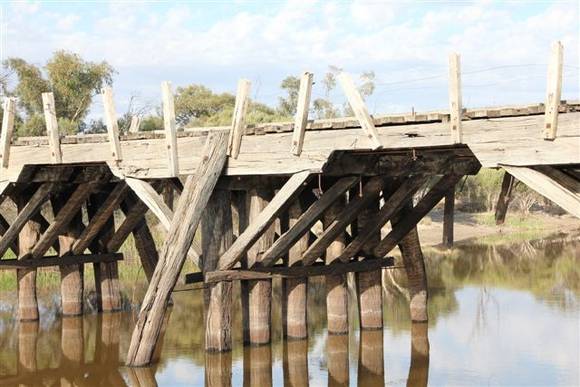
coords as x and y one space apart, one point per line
316 269
9 264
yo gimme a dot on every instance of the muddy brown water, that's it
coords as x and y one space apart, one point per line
499 315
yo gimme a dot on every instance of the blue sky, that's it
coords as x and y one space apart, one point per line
504 46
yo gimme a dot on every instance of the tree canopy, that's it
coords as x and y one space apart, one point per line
73 81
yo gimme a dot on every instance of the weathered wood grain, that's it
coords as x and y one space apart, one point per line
505 195
455 104
25 214
239 118
9 109
553 91
306 220
287 193
100 218
193 200
62 219
52 127
112 124
333 228
170 128
301 118
9 264
567 197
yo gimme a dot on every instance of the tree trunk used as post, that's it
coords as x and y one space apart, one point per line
369 285
71 276
448 218
336 285
414 263
192 202
29 235
505 196
295 290
217 237
259 292
106 273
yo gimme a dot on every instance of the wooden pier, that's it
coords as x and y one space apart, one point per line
287 200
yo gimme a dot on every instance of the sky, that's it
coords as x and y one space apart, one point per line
504 46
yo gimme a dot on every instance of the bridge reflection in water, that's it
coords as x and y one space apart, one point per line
89 349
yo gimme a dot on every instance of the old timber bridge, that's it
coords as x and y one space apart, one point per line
257 193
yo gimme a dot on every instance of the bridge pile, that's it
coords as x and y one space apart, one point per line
282 200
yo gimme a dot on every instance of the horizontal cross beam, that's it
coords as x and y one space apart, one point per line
8 264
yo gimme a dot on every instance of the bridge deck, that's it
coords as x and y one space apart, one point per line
501 135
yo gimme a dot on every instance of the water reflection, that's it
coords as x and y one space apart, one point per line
499 315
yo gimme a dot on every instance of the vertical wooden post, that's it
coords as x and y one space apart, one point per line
448 217
360 110
336 286
455 103
7 129
419 367
239 118
29 235
295 290
505 196
371 367
71 276
302 108
554 91
135 124
193 200
52 127
106 273
170 129
112 124
217 237
260 291
168 195
417 277
369 284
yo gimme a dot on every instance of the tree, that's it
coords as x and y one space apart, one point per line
73 81
195 104
287 105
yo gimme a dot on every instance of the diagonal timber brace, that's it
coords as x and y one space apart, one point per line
281 200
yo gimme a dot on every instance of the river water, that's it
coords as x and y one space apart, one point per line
499 315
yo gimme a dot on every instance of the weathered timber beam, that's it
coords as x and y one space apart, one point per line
413 216
62 219
192 202
281 200
505 195
156 204
133 216
307 220
27 212
170 128
448 218
371 191
6 264
316 269
100 218
301 118
239 118
392 206
570 183
3 227
553 188
553 91
9 113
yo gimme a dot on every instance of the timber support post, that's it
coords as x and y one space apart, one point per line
71 276
336 286
257 328
193 200
412 254
217 237
295 290
369 284
448 218
29 235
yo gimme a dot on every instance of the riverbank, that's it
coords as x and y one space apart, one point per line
481 228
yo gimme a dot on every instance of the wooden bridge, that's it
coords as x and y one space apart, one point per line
287 200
